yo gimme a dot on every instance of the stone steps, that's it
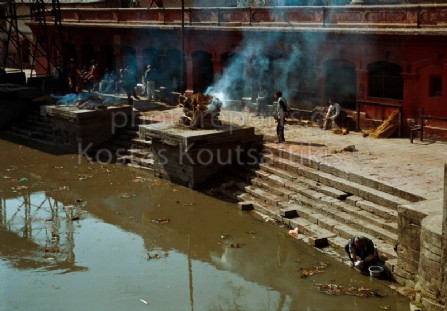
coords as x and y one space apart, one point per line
308 197
290 169
313 224
324 205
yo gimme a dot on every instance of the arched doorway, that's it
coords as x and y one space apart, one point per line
231 82
129 58
341 82
107 59
173 69
203 74
87 54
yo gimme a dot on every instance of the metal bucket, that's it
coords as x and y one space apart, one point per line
375 271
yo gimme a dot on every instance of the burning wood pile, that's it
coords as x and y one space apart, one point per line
81 101
200 111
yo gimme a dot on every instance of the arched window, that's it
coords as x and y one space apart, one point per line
385 80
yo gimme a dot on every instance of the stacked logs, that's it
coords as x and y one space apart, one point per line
200 111
388 127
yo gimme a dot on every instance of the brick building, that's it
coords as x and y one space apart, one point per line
372 58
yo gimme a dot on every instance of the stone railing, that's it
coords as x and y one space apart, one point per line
373 16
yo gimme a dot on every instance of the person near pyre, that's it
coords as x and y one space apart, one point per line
129 84
73 73
150 80
280 114
93 77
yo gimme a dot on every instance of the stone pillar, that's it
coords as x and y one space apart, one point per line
444 238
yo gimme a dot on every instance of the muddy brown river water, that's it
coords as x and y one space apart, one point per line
88 236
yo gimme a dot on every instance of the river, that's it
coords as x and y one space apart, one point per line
77 235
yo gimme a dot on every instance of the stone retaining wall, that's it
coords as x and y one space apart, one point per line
430 267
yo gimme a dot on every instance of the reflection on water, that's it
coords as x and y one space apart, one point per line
81 236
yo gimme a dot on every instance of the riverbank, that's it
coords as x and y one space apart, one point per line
379 167
412 171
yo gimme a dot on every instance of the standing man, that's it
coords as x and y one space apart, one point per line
150 76
73 74
129 84
280 116
93 76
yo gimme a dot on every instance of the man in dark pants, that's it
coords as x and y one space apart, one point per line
280 116
361 252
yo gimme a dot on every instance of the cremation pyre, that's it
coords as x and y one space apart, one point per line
200 111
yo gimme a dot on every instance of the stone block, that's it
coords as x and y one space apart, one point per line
409 236
289 213
245 206
318 242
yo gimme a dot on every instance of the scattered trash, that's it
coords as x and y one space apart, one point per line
318 268
139 179
229 241
11 168
385 307
82 177
235 245
143 301
294 232
22 179
126 196
62 188
156 256
15 189
339 290
161 220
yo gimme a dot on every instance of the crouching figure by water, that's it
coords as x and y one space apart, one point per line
361 252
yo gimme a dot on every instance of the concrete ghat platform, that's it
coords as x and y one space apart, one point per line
189 157
81 128
15 101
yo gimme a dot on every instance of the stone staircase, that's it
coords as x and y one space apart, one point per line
128 148
324 202
33 126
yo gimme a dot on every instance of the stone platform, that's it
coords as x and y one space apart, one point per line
189 157
82 128
15 100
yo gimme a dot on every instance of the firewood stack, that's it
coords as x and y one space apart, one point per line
200 111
